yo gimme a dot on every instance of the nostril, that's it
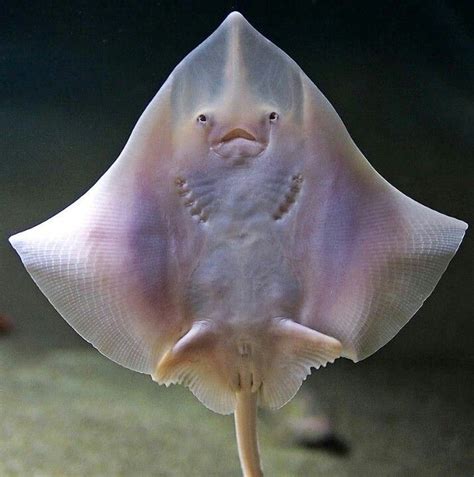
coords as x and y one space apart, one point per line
238 133
273 117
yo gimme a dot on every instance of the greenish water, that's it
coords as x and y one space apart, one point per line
71 412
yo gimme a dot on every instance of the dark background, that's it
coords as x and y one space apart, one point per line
75 77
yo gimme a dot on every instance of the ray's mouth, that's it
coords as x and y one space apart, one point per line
238 143
238 133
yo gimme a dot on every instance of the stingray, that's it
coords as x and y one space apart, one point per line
240 239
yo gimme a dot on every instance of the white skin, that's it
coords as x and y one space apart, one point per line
240 239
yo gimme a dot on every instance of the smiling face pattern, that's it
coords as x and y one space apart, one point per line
238 143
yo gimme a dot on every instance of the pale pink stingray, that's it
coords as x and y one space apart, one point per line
240 239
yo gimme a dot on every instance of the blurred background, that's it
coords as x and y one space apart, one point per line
74 79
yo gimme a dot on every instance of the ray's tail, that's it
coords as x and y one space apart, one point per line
245 416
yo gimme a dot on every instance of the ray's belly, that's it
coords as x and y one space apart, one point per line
243 275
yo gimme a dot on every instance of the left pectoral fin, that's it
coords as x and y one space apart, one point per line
105 262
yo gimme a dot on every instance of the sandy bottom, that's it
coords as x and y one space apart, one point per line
71 412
